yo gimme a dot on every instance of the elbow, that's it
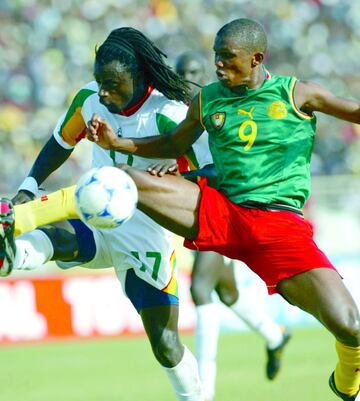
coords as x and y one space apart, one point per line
171 149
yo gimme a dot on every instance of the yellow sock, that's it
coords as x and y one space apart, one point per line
57 206
347 372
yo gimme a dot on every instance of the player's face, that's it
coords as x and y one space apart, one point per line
117 86
234 65
191 70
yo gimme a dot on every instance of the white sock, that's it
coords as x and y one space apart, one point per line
184 378
32 250
253 313
206 340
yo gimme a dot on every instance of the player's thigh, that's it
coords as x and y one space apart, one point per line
205 276
171 201
207 268
147 248
226 287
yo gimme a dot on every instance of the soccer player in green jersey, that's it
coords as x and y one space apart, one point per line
213 272
261 133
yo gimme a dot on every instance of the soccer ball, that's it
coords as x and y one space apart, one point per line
105 197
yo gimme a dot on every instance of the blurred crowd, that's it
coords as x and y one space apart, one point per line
47 49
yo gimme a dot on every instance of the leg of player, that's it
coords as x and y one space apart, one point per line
54 207
322 293
7 241
205 275
159 311
74 244
160 196
157 197
37 247
330 302
251 310
161 326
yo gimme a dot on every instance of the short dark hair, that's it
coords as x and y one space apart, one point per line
189 56
138 53
249 33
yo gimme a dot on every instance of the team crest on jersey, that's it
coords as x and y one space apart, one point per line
218 120
277 110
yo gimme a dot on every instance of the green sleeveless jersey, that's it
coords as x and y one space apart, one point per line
260 142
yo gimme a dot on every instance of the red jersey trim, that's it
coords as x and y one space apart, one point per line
267 74
134 108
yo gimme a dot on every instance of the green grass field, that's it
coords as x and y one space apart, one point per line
124 370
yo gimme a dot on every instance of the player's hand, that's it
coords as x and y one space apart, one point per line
163 168
22 196
101 132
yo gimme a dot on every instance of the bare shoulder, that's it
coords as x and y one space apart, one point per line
311 96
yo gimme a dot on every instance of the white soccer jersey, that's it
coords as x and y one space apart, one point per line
140 243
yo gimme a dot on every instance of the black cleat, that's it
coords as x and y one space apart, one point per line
274 356
343 396
7 239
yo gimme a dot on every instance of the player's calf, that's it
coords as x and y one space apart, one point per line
7 240
274 356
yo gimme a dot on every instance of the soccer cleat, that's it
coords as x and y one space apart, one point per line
7 240
274 356
343 396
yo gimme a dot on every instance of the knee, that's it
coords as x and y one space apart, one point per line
168 350
64 242
200 292
347 329
228 297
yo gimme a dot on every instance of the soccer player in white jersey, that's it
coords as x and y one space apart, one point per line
213 272
140 95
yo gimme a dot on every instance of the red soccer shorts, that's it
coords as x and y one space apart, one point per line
274 244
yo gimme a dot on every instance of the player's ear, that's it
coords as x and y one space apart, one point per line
257 59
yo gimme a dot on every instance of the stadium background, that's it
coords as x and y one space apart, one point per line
46 54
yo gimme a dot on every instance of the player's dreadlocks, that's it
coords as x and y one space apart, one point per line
132 48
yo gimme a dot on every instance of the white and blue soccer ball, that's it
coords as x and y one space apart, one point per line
105 197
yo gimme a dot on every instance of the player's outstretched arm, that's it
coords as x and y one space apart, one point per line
168 146
50 158
311 97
